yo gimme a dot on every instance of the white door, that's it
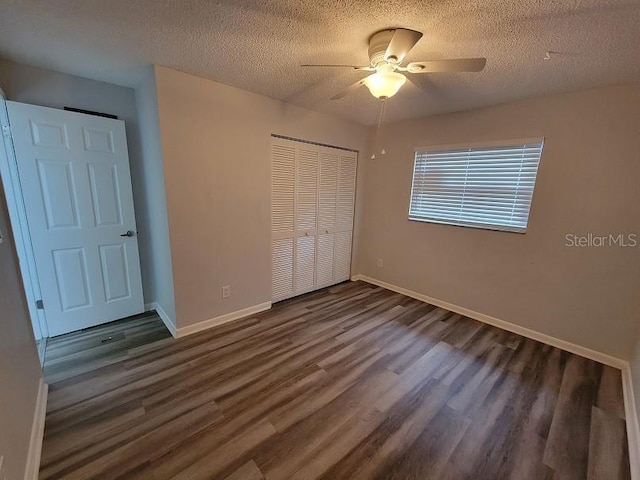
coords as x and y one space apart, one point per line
76 184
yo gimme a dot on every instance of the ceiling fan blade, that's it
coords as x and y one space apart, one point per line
447 66
350 89
402 41
355 67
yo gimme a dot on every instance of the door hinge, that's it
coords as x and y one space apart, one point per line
39 305
6 131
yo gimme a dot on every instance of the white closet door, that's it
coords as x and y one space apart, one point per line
306 183
345 207
306 189
324 274
283 158
342 257
282 254
327 196
305 264
313 194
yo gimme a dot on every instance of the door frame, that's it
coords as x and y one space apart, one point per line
19 225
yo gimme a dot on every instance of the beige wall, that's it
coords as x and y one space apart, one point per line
153 223
216 151
587 182
635 376
19 364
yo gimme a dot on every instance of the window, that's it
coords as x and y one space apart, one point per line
488 186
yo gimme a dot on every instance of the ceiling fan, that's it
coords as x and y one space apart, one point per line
387 50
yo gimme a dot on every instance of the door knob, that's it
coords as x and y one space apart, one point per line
128 234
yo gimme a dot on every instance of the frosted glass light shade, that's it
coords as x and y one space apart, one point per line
384 84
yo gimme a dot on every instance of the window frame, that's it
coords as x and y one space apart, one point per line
474 146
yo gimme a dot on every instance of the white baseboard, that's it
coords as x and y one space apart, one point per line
504 325
37 433
633 423
166 319
212 322
631 413
229 317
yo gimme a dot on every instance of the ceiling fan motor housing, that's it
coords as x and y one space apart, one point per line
378 44
387 50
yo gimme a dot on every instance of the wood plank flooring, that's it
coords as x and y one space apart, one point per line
351 382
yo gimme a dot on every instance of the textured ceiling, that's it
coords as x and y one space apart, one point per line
258 45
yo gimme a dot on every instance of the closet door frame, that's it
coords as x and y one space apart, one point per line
309 232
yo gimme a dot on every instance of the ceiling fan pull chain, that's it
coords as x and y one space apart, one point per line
383 102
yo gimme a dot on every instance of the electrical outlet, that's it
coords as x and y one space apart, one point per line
226 291
380 263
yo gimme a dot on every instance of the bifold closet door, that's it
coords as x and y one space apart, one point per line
283 195
327 201
345 209
306 217
294 217
313 192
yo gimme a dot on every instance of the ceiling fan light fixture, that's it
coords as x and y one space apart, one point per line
384 84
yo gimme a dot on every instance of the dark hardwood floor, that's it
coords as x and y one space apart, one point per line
351 382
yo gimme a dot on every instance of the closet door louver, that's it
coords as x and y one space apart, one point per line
305 264
346 192
345 206
306 184
282 280
324 274
342 255
327 200
329 162
307 190
283 160
313 196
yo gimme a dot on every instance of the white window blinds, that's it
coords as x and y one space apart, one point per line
485 187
